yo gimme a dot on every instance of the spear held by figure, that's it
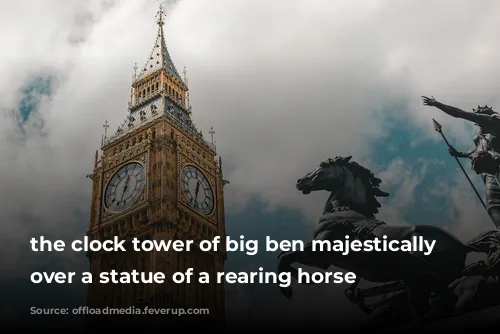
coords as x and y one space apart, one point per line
439 129
485 157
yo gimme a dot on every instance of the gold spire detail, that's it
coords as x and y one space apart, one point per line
159 57
160 15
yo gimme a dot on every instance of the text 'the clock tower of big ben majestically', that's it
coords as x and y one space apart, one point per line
157 178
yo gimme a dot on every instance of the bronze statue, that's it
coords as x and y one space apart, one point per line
485 157
433 284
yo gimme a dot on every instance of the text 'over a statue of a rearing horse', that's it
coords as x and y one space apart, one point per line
438 283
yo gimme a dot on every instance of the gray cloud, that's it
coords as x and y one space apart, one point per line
406 178
285 84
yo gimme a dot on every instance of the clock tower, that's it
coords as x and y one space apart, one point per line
157 178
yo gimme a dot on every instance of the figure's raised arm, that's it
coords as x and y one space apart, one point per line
450 110
481 119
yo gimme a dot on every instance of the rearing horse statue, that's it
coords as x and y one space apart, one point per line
350 211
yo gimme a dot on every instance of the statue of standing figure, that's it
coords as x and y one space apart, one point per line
485 157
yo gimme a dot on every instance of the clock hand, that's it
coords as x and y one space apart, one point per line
125 187
126 183
197 191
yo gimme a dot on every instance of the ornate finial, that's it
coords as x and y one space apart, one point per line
160 16
95 158
187 93
185 75
105 126
135 70
212 132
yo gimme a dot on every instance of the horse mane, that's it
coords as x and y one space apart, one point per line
372 183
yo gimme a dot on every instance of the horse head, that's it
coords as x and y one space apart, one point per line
349 182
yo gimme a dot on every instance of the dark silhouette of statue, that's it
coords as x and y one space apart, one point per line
485 157
426 286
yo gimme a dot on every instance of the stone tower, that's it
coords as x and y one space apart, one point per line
157 178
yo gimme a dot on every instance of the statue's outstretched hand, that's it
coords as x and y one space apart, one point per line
429 101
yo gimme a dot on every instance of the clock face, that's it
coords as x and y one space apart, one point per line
197 190
125 187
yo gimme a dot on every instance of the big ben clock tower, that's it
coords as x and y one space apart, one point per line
157 178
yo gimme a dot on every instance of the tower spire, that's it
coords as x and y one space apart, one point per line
160 15
159 91
159 57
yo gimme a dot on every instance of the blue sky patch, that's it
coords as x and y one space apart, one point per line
31 94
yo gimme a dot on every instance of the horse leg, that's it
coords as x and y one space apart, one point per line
285 261
285 264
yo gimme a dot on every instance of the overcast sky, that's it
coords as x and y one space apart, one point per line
285 84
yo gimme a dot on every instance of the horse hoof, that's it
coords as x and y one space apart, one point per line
287 292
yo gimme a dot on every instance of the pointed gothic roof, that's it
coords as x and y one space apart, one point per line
159 57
